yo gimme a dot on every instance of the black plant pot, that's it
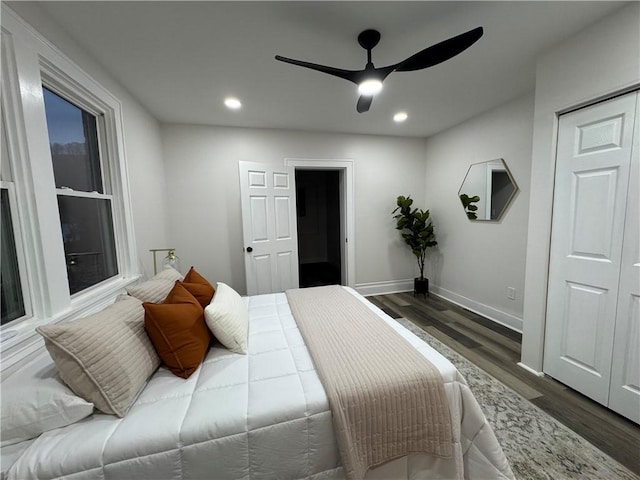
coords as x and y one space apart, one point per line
421 286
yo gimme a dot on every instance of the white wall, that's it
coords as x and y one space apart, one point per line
475 262
204 194
143 146
600 61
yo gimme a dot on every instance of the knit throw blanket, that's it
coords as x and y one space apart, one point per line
387 400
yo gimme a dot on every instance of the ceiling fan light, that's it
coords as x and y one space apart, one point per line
370 87
232 103
400 117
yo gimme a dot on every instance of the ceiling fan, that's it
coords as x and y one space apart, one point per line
370 78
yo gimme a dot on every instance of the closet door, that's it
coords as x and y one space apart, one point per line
590 197
625 371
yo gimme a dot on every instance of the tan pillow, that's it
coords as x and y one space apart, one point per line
198 286
105 358
228 319
157 288
178 331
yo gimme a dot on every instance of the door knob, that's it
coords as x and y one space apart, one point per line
249 249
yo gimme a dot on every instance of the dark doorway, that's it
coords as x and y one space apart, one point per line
318 209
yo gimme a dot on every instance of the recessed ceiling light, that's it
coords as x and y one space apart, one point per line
400 117
232 103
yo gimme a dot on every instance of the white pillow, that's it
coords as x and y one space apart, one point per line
35 400
228 319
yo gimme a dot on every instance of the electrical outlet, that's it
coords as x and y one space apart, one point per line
511 293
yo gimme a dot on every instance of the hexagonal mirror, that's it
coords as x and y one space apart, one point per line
487 190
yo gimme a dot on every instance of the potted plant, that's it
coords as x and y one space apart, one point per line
417 230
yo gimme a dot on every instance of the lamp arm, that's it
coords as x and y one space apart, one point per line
171 253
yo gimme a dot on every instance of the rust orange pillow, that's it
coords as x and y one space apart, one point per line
199 287
178 331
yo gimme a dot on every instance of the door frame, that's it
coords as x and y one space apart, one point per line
347 222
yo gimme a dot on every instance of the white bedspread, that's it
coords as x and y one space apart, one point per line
263 415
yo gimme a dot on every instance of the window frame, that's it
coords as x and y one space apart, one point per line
30 62
64 87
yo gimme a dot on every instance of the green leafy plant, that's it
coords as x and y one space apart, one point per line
469 207
416 229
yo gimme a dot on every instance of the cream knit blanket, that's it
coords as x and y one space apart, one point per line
387 400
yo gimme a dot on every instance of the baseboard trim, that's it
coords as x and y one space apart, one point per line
498 316
530 370
383 288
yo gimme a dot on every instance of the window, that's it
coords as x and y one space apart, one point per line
73 139
68 245
85 209
12 298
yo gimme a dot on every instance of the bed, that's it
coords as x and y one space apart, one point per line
260 415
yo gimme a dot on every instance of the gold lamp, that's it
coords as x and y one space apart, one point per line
171 259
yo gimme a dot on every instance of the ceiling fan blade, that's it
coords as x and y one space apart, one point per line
351 75
364 103
440 52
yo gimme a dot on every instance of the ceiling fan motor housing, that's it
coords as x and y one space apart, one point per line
369 39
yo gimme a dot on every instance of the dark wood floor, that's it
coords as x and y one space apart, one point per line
496 349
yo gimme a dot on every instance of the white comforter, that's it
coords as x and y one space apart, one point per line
263 415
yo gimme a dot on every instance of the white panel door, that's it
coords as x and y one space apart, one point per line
592 176
269 227
624 395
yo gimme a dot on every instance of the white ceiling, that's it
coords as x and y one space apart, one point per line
181 59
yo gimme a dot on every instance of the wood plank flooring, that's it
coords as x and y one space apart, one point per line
496 350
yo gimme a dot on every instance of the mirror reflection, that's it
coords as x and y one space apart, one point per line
487 190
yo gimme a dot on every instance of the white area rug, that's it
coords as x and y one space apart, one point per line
537 446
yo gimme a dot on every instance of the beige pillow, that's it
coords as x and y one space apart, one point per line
156 289
228 319
105 358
